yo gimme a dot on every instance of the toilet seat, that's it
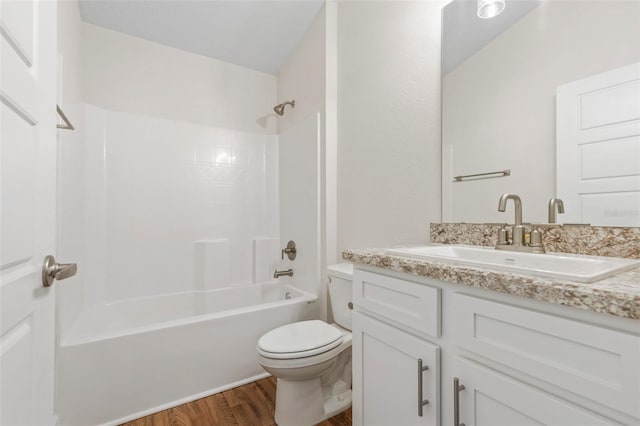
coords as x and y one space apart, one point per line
299 340
268 360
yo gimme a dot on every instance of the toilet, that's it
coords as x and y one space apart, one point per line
312 359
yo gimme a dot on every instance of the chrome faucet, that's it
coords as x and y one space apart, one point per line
518 242
278 274
553 204
518 230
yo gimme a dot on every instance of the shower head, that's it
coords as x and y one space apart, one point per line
279 109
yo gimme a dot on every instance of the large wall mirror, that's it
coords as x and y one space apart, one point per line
547 92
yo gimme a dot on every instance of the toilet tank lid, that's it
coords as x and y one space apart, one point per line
341 270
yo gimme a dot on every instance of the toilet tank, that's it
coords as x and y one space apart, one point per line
340 293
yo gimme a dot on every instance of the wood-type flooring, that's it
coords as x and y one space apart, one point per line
250 405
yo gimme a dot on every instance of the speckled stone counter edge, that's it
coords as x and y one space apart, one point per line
576 239
618 295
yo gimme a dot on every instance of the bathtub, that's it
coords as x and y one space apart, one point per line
127 359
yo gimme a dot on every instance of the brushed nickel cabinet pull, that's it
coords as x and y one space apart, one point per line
457 387
421 402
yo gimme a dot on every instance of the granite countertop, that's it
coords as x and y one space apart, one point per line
618 295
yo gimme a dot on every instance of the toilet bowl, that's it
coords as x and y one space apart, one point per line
312 360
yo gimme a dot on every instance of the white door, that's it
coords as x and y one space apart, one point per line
598 148
493 399
27 208
386 378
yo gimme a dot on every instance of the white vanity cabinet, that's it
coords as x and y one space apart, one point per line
520 362
396 374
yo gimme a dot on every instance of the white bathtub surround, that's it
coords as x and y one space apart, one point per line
211 264
266 255
299 190
127 359
70 148
82 212
154 186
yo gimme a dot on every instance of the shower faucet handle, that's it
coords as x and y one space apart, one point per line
290 251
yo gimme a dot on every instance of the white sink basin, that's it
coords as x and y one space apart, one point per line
579 268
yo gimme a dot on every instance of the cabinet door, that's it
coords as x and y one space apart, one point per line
490 398
386 376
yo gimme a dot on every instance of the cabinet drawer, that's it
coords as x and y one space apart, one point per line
593 362
413 305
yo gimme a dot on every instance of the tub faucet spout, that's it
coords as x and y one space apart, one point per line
278 274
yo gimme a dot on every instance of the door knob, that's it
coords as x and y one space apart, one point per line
51 270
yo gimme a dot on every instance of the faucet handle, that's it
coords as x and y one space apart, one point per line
536 241
503 236
290 251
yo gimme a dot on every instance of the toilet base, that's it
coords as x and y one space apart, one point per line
337 404
302 403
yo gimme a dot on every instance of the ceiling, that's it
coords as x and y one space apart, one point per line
464 33
258 34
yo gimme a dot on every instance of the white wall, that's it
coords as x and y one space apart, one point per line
499 105
129 74
330 167
389 122
303 77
